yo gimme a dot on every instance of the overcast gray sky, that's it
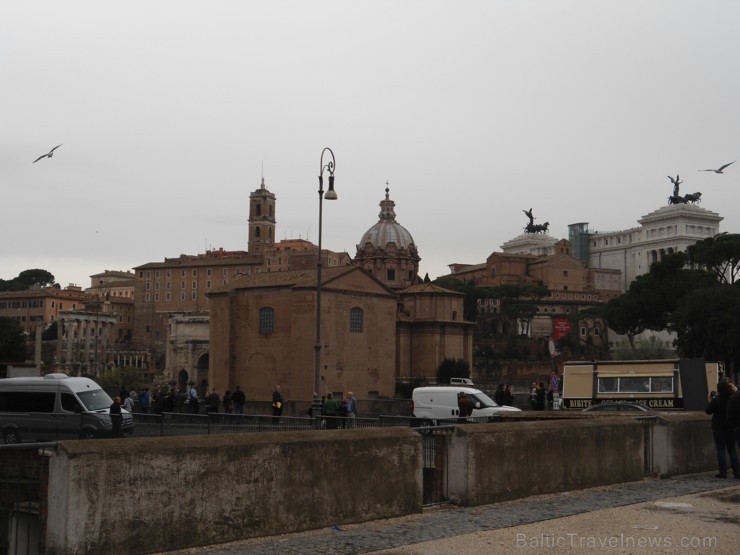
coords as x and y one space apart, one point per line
472 110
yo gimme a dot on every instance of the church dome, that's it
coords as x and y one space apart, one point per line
387 231
388 251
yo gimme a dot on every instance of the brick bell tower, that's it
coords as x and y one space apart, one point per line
261 220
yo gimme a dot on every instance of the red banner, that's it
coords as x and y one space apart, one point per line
560 328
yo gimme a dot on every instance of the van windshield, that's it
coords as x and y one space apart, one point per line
96 399
484 400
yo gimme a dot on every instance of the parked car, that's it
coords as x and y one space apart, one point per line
440 403
617 407
54 407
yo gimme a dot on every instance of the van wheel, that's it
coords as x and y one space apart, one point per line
88 434
11 436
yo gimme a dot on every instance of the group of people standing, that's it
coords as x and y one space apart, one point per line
338 411
724 406
541 397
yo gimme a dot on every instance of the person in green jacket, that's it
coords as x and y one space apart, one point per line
331 409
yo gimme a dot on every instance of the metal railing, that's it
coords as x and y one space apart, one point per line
22 468
648 422
435 452
179 424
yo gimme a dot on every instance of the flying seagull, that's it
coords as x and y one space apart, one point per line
721 170
47 155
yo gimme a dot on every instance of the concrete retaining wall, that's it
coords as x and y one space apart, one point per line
142 495
682 444
497 462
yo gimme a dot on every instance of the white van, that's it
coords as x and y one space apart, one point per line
440 403
54 407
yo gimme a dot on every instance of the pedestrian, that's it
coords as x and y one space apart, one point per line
116 417
144 400
331 411
724 436
212 401
499 395
464 405
169 401
533 396
351 408
238 399
733 416
541 396
508 396
128 404
159 398
277 402
193 400
226 401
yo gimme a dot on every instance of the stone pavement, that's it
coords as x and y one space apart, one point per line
590 518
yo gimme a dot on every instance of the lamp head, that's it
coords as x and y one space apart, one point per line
331 194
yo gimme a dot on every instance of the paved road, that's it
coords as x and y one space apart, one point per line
469 530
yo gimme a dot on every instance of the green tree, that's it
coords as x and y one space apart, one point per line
452 368
28 279
50 333
12 341
707 324
719 255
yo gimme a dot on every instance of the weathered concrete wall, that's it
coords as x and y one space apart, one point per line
142 495
683 443
501 461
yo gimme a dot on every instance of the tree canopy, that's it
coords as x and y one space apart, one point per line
12 340
719 255
691 294
28 279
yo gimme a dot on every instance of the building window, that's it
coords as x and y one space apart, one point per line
168 296
182 295
183 273
355 320
195 272
565 273
208 284
156 274
209 272
147 297
156 296
182 285
195 295
390 274
226 272
195 285
267 320
169 273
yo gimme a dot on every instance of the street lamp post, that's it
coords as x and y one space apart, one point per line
330 195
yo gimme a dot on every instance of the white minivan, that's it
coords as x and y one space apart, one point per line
54 407
440 403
